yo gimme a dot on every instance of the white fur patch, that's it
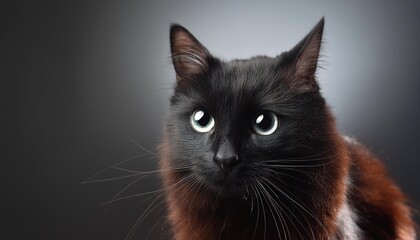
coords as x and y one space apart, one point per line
346 223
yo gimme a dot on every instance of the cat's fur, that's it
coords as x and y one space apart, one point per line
304 181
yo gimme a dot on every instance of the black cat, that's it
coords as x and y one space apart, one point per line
251 151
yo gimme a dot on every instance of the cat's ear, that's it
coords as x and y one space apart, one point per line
305 59
190 58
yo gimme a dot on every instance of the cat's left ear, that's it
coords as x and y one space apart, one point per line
189 56
305 59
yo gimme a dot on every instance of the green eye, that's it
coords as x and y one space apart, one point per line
265 123
201 121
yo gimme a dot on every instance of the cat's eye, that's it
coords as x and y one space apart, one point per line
202 121
265 123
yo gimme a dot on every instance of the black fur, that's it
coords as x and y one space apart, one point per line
234 92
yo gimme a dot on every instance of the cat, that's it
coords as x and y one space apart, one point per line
251 151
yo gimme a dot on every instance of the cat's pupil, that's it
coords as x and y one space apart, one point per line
202 118
264 122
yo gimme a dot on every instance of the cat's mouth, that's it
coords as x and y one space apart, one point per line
220 182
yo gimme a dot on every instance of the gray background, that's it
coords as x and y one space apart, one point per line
80 78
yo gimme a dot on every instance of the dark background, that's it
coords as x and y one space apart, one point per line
79 79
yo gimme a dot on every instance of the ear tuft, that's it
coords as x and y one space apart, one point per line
189 56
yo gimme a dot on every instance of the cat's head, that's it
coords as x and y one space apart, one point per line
235 121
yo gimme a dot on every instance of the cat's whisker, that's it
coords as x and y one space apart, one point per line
303 171
125 169
88 180
222 228
135 173
126 187
263 209
249 195
140 146
181 168
299 166
162 86
188 189
280 174
270 204
278 206
112 179
155 90
258 210
154 226
195 195
295 160
306 209
303 159
264 180
268 183
148 210
292 160
305 218
287 208
150 192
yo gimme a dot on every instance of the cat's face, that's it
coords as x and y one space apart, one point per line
237 121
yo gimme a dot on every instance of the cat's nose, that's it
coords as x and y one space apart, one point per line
226 163
226 157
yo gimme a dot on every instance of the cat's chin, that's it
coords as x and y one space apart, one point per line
221 184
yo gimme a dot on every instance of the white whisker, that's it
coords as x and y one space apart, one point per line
110 167
150 192
126 187
140 219
268 183
140 146
269 204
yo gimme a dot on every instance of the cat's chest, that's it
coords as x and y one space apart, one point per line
347 228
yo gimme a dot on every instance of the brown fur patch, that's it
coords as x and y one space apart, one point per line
380 204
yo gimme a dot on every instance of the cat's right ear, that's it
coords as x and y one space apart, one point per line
190 58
